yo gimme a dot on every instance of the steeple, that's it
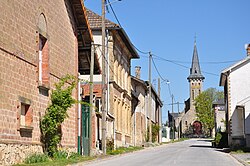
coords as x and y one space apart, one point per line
195 71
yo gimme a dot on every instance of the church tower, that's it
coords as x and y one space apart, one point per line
195 78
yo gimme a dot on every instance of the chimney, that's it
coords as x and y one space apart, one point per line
247 47
138 72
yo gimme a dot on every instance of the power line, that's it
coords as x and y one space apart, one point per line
143 52
163 59
157 70
114 13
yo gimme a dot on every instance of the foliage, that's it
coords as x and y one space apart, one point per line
110 144
155 132
60 154
36 158
73 158
61 101
121 150
217 138
203 106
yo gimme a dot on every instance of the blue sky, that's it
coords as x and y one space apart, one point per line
167 29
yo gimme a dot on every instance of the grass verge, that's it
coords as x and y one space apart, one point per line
60 161
121 150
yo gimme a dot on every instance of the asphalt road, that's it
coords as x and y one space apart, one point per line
194 152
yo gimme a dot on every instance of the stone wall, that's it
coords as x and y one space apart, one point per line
16 153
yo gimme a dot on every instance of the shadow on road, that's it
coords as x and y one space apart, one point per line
223 150
200 146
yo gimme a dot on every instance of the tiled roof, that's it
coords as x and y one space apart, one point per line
95 21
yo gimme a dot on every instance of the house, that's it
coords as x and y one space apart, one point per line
174 120
141 116
39 43
235 80
119 52
219 116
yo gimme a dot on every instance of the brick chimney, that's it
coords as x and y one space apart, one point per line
247 47
138 72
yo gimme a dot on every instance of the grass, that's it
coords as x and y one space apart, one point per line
60 161
181 139
121 150
240 150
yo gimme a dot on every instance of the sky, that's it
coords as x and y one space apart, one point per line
168 28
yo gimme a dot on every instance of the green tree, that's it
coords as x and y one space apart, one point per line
203 106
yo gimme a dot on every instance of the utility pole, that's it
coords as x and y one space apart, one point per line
149 98
103 81
173 123
159 112
91 114
178 120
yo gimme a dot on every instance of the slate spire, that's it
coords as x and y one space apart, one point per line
195 71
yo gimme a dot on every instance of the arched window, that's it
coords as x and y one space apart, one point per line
43 53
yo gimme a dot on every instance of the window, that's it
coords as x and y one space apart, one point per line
192 94
43 54
25 116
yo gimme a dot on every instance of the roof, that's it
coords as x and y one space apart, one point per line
81 18
95 22
143 83
175 115
219 102
195 71
85 37
227 71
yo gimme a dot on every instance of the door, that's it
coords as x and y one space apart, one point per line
85 130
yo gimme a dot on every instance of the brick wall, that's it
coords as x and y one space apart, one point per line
19 65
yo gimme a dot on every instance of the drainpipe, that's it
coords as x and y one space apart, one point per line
79 117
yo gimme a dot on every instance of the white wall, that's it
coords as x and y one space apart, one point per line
240 96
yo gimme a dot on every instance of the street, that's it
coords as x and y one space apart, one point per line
186 153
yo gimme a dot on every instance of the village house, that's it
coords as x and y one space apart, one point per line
235 80
119 52
219 116
39 43
141 116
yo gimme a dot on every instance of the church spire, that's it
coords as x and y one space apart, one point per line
195 71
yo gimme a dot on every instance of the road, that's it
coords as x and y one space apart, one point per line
194 152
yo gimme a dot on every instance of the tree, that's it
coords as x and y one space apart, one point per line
203 106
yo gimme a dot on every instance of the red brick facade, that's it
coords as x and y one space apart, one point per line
19 55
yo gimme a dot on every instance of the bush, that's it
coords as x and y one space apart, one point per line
217 138
110 144
221 140
74 155
36 158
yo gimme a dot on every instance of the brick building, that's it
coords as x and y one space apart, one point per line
38 45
